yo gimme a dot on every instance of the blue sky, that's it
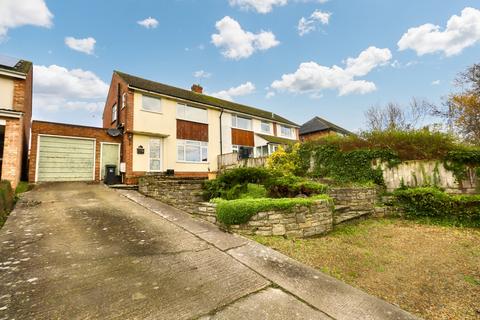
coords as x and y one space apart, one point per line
255 46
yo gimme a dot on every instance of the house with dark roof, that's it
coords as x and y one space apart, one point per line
169 129
318 127
15 117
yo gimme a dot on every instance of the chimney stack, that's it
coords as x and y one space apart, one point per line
197 88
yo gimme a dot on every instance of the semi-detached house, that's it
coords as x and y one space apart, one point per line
165 128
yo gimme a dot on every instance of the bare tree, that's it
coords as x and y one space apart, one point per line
395 117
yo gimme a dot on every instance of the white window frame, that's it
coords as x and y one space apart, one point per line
262 123
182 109
124 100
235 122
286 127
114 113
151 97
202 145
150 157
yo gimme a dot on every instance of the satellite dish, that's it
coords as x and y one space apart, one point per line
114 132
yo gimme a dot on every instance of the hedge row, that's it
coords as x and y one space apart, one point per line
7 200
434 203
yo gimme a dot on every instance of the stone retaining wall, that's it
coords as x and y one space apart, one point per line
300 221
351 203
297 222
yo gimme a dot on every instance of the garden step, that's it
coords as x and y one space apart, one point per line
342 209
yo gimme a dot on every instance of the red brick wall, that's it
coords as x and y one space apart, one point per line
13 151
126 117
41 127
22 101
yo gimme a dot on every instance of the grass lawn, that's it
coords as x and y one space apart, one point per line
432 271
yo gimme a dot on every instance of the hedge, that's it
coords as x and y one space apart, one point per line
434 203
241 210
290 186
7 200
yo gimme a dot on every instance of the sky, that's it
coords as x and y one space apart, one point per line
297 58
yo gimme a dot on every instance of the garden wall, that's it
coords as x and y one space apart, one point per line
422 173
301 221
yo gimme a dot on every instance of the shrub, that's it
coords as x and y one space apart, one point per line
231 183
241 210
432 202
285 162
290 186
7 199
254 191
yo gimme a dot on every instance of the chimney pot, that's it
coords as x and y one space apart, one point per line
197 88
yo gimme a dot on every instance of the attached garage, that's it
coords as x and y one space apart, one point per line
64 152
65 159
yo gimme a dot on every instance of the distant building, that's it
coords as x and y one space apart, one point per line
15 117
318 127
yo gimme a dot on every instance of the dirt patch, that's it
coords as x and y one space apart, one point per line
431 271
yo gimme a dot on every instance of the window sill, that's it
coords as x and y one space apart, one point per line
150 111
193 162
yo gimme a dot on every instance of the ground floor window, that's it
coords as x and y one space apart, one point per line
262 151
243 151
155 147
192 151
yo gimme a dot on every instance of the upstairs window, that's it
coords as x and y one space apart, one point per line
286 132
241 122
114 113
189 113
151 104
265 127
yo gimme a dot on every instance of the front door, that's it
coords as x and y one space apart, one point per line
110 155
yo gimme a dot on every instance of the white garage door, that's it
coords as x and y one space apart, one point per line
65 159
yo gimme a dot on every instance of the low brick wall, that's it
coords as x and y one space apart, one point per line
352 203
297 222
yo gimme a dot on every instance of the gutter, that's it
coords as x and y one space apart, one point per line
14 74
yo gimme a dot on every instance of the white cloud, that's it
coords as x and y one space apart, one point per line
237 43
14 13
241 90
435 82
261 6
149 23
461 32
313 78
270 94
265 6
57 88
202 74
86 45
307 25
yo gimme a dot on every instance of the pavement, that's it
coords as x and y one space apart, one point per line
83 251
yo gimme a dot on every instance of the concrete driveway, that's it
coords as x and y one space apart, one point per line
82 251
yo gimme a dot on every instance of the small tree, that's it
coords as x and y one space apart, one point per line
285 162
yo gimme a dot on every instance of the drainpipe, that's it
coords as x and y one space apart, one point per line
119 98
221 135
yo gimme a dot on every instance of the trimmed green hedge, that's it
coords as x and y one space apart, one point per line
241 210
434 203
7 200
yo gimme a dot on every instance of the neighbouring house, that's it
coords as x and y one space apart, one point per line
318 128
182 132
15 117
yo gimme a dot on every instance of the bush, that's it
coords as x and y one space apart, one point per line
290 186
434 203
253 191
241 210
7 200
231 183
285 162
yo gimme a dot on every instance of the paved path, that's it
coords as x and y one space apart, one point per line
80 251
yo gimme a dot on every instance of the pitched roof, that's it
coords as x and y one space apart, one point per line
277 140
161 88
22 66
319 124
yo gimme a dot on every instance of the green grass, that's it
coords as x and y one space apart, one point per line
22 187
471 280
